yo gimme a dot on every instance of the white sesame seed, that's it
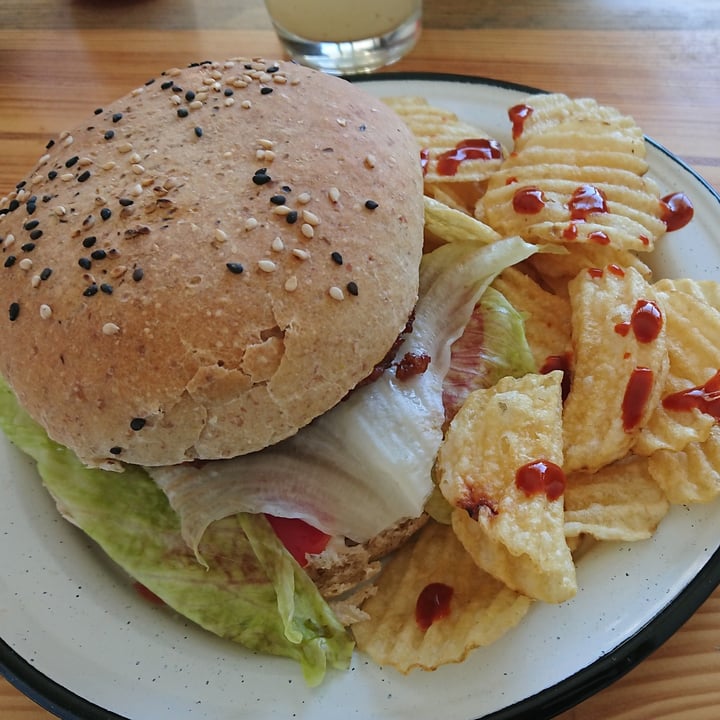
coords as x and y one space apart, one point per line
175 99
173 72
238 83
137 91
195 104
35 281
251 223
69 139
125 147
277 244
170 183
281 210
336 293
310 218
266 144
260 154
216 75
45 312
245 104
307 230
279 79
334 194
301 254
60 211
267 266
370 161
43 160
269 155
216 86
25 264
67 177
220 235
9 240
136 190
342 122
36 179
110 328
291 283
85 162
100 201
108 165
229 101
304 198
138 169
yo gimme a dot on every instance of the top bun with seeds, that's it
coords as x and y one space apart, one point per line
208 263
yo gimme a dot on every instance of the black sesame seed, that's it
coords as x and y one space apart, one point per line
84 176
291 217
260 178
14 311
137 423
117 117
234 267
31 206
27 247
98 111
150 81
352 288
126 202
106 213
98 254
90 290
72 161
176 88
183 112
198 131
49 144
189 95
286 188
89 241
46 273
138 274
10 260
36 234
265 90
337 257
278 199
31 224
85 263
370 204
272 69
13 205
21 185
109 134
228 92
115 450
47 198
106 288
167 85
52 174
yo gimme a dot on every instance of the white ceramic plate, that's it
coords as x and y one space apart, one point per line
78 639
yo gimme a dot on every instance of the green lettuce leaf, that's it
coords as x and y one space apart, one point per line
253 591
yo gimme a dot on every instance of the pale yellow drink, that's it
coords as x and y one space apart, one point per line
338 20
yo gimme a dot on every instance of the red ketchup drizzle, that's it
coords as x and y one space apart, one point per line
411 364
528 201
433 604
571 231
518 114
705 398
614 269
541 476
585 200
623 328
473 149
599 237
646 321
299 538
637 394
559 362
677 210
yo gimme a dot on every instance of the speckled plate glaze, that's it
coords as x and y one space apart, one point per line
78 639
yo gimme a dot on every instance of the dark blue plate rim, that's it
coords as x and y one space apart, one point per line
68 705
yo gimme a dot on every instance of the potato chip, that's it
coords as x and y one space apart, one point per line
620 365
547 316
620 501
443 223
693 340
433 605
500 467
691 475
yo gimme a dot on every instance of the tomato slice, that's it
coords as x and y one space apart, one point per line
298 537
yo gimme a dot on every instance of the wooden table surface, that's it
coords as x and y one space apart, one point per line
658 60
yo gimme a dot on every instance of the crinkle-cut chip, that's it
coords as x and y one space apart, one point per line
481 609
693 341
631 218
707 290
515 535
556 111
691 475
620 501
620 364
557 269
578 157
547 316
459 196
439 133
443 223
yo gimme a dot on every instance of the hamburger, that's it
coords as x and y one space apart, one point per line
215 349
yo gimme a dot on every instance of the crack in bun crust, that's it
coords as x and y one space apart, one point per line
207 264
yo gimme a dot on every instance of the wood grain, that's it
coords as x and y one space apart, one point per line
658 60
